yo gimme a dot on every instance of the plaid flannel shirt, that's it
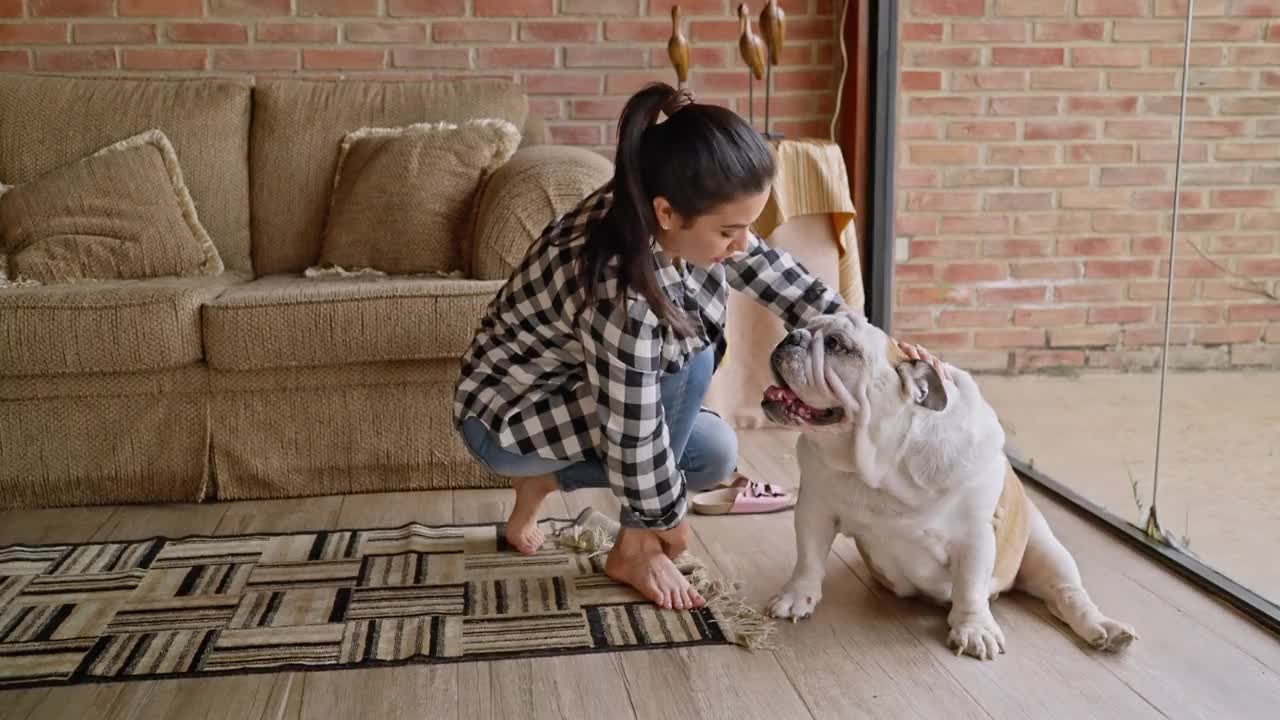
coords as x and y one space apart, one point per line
557 387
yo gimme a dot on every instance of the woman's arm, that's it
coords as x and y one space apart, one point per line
777 281
623 352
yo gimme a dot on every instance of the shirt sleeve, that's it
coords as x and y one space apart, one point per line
779 282
622 344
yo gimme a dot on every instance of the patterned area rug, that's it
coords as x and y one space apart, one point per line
196 606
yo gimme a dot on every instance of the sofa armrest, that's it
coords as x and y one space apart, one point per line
538 185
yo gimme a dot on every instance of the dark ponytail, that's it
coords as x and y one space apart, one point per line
700 157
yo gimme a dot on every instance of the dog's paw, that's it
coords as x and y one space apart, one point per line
796 601
977 635
1110 636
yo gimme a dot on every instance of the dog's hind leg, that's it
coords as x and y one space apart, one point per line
1050 573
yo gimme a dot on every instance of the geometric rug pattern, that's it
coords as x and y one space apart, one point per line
196 606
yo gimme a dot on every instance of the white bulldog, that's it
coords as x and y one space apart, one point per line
913 468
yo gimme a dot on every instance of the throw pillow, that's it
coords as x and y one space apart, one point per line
123 212
404 199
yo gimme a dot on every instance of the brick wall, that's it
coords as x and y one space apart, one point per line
1035 181
579 59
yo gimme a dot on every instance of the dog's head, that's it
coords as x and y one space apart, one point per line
820 366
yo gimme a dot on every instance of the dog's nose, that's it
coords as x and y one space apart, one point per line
795 337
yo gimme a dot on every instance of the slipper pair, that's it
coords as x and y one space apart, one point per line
744 497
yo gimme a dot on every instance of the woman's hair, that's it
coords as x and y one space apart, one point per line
700 157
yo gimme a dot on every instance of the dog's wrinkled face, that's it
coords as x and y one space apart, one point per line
819 368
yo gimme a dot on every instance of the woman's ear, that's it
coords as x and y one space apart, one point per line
664 212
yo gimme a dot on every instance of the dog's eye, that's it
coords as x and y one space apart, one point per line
833 344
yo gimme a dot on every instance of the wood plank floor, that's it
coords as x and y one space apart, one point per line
863 655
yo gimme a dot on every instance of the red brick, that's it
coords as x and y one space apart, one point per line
1106 57
1141 176
1222 80
514 8
912 319
1015 247
1226 31
916 177
1066 80
1016 295
1256 8
988 80
1019 201
15 60
934 295
974 272
626 7
1119 315
1150 245
1091 246
114 33
337 8
1031 8
561 84
1024 155
802 128
916 272
1100 153
1142 80
1024 106
1102 105
1273 32
1027 56
641 30
1011 338
33 33
422 8
920 130
1189 266
921 80
1271 81
702 30
969 8
781 106
1053 177
1216 128
1059 130
1178 8
1273 334
1200 56
1069 31
620 83
1206 222
1242 245
787 80
604 108
1129 222
517 57
1259 267
1139 129
1260 221
1258 105
950 248
289 32
387 33
974 224
942 340
1184 314
255 59
256 8
913 225
982 131
221 33
1048 359
1168 152
1229 335
1131 268
164 59
343 59
1111 8
989 31
425 58
944 57
1269 312
10 8
1147 31
1255 56
1089 292
1172 105
1047 270
973 318
75 60
1095 199
802 28
70 8
551 31
575 134
1083 337
921 32
1243 198
1138 337
162 8
1048 317
720 81
964 154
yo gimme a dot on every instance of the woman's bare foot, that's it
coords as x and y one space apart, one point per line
523 532
638 560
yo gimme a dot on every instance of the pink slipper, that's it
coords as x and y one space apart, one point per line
744 497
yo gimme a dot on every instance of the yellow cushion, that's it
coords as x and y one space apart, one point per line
121 213
404 198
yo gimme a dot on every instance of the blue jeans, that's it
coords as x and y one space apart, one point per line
706 446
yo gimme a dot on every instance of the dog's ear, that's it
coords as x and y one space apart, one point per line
923 385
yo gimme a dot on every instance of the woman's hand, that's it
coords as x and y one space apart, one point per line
917 352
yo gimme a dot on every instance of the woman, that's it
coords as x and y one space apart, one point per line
591 365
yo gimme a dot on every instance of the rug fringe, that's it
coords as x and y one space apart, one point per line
593 533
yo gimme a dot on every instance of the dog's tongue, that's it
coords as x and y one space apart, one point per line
779 394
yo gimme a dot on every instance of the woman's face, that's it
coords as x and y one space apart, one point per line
712 237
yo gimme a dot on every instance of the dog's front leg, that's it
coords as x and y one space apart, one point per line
815 531
973 628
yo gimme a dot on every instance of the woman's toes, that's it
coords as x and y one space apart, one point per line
695 599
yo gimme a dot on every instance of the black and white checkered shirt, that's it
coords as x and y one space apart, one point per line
552 387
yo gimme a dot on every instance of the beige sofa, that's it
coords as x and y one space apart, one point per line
258 382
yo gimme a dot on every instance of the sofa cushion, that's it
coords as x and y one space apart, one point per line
298 126
404 198
291 321
120 213
105 327
51 121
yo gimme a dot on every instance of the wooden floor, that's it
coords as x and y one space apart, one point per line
864 654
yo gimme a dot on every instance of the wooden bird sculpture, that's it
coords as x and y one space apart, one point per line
678 49
773 25
752 49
